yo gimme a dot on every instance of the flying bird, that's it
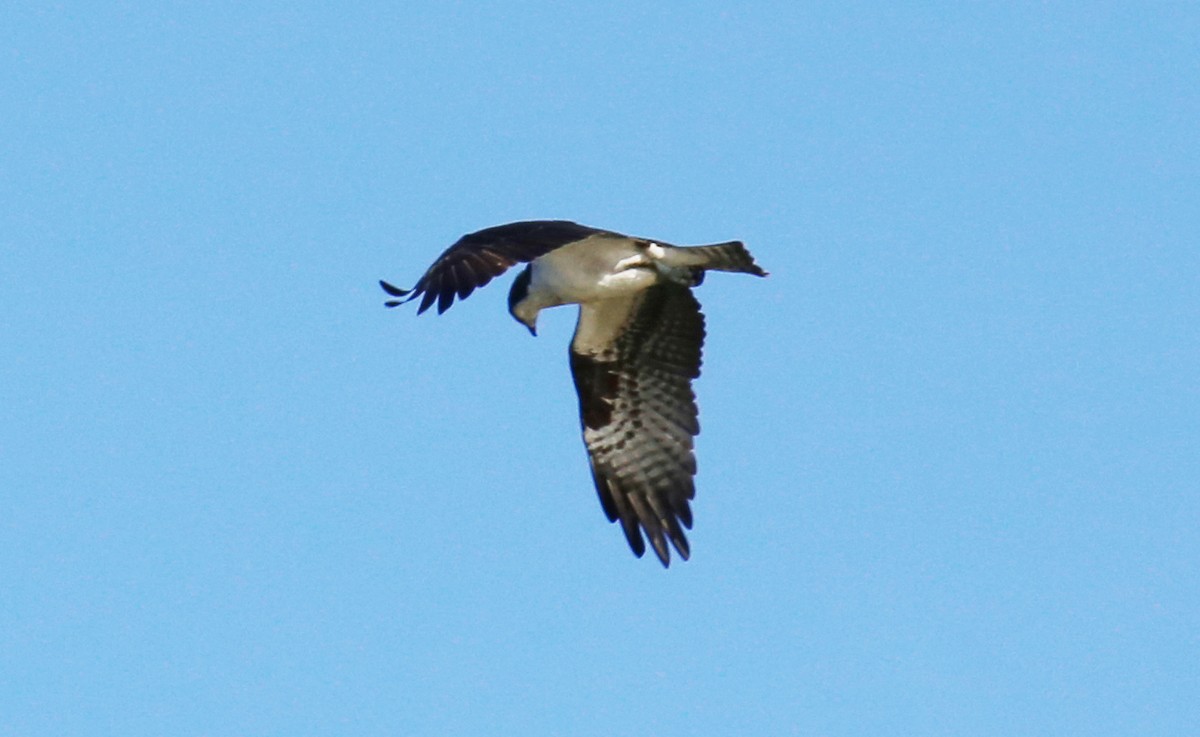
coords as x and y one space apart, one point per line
635 351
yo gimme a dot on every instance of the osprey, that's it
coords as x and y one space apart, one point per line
635 352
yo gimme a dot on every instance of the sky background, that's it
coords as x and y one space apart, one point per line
951 447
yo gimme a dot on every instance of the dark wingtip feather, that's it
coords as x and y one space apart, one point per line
633 535
446 296
662 551
394 290
393 303
427 299
680 541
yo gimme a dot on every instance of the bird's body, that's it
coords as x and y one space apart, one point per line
595 269
635 351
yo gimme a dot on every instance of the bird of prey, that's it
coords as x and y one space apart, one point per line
635 351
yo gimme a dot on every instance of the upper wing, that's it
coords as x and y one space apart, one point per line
633 362
479 257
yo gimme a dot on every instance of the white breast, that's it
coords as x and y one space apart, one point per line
596 268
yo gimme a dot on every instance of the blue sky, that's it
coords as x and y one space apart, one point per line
949 460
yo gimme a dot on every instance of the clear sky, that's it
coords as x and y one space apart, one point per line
950 458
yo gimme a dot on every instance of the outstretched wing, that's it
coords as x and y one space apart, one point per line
633 362
479 257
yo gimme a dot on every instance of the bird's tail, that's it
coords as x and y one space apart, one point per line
731 256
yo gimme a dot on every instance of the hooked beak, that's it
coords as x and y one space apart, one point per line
527 317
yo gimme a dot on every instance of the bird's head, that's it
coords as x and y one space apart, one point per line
523 309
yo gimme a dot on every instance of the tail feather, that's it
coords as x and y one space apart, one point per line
731 256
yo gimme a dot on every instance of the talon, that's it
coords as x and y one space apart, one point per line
633 262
